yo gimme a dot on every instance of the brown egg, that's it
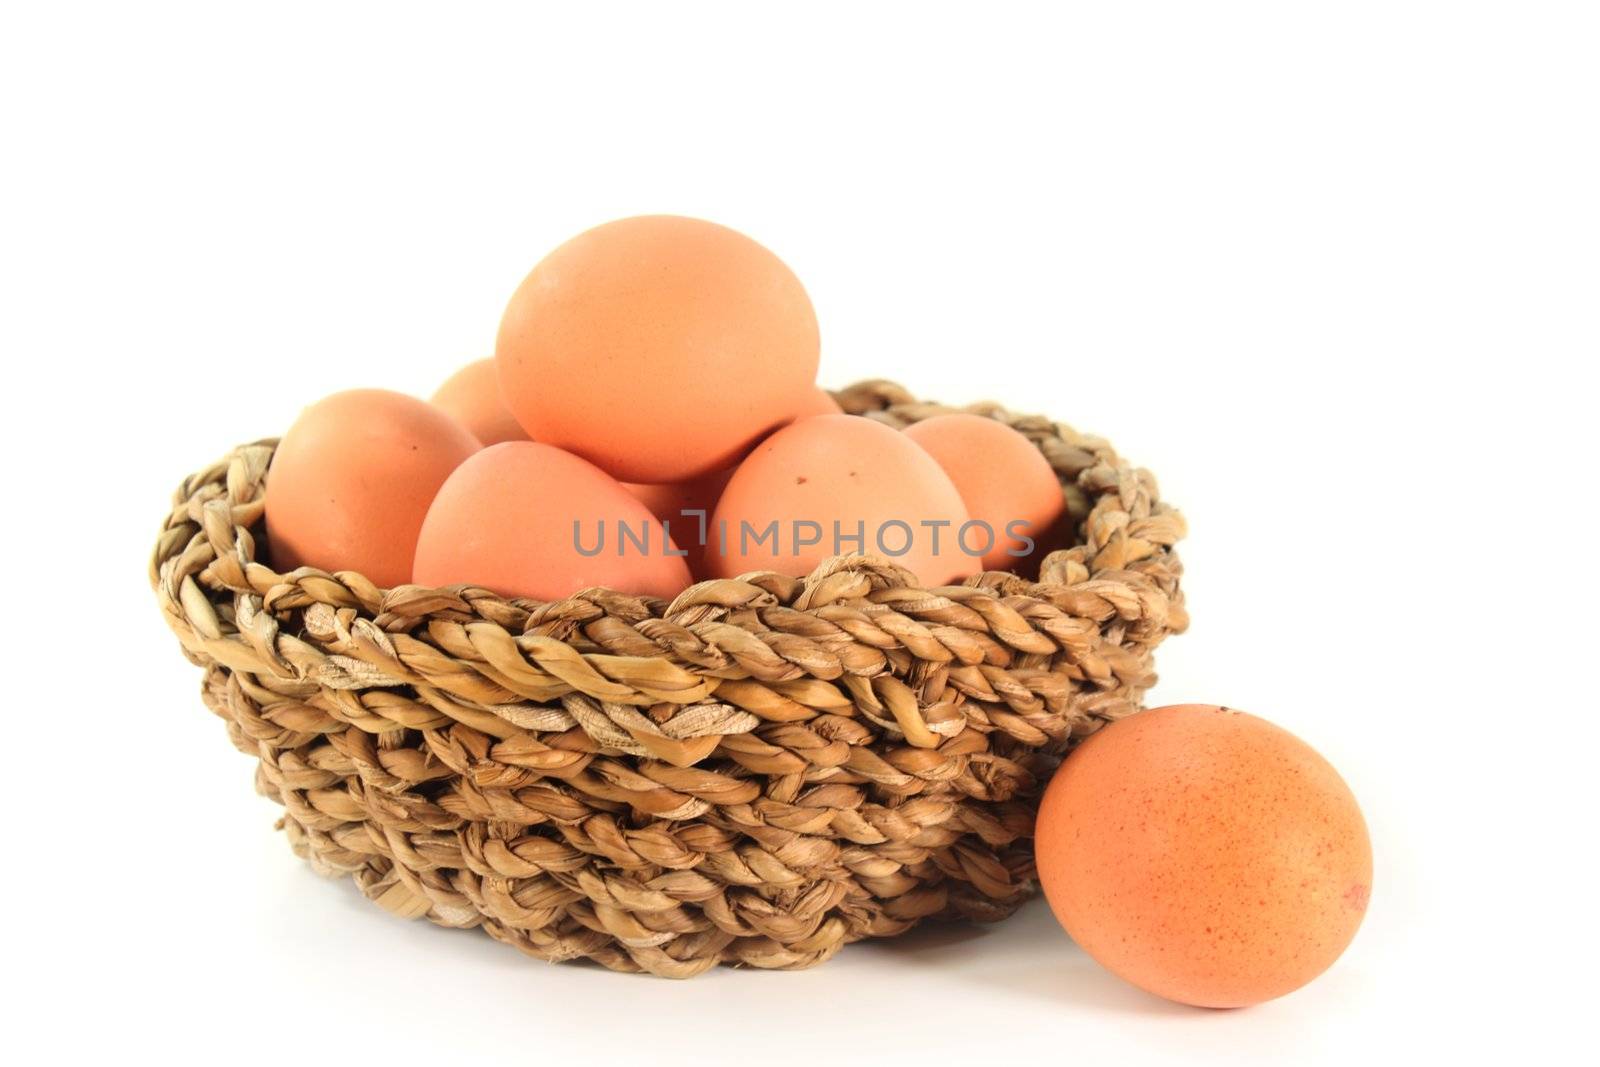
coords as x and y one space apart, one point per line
352 479
660 348
471 396
1007 484
1204 855
824 470
529 520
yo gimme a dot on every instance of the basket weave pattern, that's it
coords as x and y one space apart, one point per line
758 773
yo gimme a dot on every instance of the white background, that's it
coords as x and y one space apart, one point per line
1330 270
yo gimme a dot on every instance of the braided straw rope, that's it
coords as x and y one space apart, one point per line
758 773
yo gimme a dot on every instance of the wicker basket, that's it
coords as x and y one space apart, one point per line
757 773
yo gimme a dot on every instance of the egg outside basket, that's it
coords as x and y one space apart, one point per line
757 773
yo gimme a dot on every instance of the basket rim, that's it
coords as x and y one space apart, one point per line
867 398
1102 603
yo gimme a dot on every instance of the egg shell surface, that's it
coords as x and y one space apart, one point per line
505 521
352 479
1205 855
672 499
658 347
846 469
817 401
471 396
1002 479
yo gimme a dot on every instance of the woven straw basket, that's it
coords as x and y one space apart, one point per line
757 773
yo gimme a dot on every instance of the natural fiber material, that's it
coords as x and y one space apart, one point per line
757 773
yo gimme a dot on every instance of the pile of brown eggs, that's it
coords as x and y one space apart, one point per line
651 399
651 417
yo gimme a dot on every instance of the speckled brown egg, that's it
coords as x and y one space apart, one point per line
1204 855
824 476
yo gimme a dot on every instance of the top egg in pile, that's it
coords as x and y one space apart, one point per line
626 434
658 348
